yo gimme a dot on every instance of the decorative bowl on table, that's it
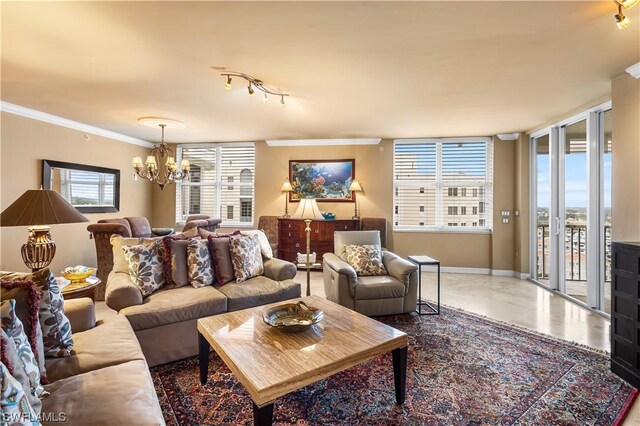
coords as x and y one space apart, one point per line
328 216
292 317
78 274
161 232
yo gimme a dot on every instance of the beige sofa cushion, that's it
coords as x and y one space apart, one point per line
175 305
258 291
118 395
111 342
379 287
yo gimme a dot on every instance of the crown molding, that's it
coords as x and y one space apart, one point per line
324 142
70 124
508 136
634 70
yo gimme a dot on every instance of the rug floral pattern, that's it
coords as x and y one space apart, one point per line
462 369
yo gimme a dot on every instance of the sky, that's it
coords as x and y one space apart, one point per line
575 180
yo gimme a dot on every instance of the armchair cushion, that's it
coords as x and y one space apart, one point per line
279 270
81 313
399 268
365 259
379 287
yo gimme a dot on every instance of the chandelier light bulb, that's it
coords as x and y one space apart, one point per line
227 85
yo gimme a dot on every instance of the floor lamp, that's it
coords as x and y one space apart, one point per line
286 188
308 211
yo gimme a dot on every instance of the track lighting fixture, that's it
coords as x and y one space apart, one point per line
623 21
254 83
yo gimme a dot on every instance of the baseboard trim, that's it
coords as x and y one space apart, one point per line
477 271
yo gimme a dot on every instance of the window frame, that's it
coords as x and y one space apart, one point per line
439 183
218 185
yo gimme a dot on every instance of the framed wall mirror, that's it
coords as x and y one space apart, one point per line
89 189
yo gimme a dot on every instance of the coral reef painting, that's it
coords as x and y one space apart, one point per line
326 180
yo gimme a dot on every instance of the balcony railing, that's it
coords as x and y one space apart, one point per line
575 248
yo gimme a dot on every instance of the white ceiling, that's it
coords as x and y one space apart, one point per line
354 69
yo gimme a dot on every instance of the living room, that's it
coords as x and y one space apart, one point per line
534 105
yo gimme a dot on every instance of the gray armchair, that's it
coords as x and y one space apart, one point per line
395 293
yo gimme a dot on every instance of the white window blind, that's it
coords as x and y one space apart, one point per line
221 183
437 182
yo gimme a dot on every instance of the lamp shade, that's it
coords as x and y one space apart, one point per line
286 186
40 207
355 186
308 209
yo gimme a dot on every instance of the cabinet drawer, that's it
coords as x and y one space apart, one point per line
294 244
346 225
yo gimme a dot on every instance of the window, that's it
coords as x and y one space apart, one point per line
440 168
221 182
463 224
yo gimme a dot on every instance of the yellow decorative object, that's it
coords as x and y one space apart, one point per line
78 274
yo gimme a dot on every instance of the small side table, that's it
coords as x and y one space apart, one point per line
76 291
420 261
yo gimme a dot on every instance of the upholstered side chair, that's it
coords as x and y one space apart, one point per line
395 293
269 225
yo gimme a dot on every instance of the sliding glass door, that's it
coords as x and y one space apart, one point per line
571 192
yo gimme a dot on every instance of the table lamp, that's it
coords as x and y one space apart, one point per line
38 208
286 188
355 187
308 210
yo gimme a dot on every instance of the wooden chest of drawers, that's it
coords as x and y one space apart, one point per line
625 311
292 238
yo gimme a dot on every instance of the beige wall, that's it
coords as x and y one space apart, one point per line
25 143
625 187
374 168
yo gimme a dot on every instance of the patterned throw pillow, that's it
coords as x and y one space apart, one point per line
365 259
199 263
146 266
17 369
12 326
15 405
56 328
245 256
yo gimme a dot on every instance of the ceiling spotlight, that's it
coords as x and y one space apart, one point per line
282 101
621 21
227 85
250 89
627 4
265 99
254 84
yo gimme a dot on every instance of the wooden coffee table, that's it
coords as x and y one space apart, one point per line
270 363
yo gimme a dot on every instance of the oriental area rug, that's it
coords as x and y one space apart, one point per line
462 369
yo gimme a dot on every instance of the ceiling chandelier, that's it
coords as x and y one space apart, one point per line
161 155
255 83
621 20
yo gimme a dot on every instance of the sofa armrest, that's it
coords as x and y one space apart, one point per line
121 292
279 270
109 229
399 268
81 314
332 261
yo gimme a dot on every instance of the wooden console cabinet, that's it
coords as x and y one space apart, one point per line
625 311
292 238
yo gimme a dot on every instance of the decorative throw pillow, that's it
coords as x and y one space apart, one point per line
17 369
365 259
221 257
199 263
265 247
27 298
120 263
12 327
245 257
146 267
176 272
15 405
56 328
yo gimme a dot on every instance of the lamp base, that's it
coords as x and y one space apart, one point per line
39 250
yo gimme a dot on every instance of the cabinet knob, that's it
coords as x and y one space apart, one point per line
289 233
297 245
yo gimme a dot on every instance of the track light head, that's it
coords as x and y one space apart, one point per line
282 101
628 4
621 21
251 91
227 85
